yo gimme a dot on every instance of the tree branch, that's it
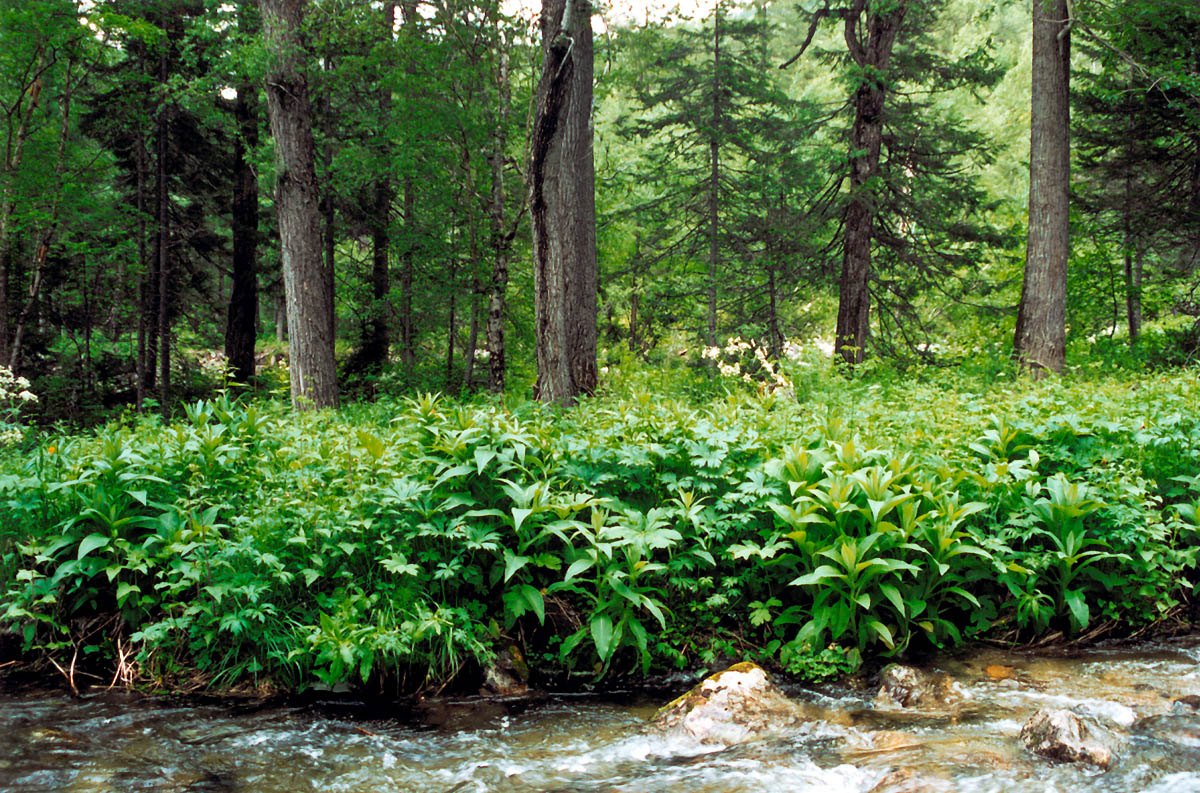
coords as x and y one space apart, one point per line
858 52
817 16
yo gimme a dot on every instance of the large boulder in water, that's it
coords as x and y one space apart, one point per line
729 707
1063 736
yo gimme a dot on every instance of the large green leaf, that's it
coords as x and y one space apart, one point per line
602 634
1079 608
513 563
883 632
534 598
822 573
91 543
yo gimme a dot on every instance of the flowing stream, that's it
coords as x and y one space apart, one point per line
110 742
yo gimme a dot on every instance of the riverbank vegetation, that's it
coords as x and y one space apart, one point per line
667 524
809 334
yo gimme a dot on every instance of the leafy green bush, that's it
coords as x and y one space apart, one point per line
397 544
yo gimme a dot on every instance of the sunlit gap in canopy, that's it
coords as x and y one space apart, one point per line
622 13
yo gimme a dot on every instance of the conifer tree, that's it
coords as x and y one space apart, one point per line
912 218
724 187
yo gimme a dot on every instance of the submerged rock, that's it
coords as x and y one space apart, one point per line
507 676
910 687
460 714
1180 730
1064 736
1189 703
909 780
729 707
1000 672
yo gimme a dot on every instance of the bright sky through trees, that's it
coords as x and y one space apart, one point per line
614 12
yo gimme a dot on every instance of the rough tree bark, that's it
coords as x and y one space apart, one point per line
240 325
562 206
873 57
1039 343
310 346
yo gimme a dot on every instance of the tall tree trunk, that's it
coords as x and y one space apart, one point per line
13 157
281 317
241 321
773 332
633 318
378 339
472 339
873 57
405 319
47 236
501 242
312 368
407 254
162 203
451 323
329 216
1133 266
714 186
1039 343
143 308
562 206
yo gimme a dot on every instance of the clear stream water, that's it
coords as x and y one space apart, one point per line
110 742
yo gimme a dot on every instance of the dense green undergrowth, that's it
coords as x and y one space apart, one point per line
399 544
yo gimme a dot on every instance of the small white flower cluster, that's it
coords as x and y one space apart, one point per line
747 360
13 388
14 393
793 350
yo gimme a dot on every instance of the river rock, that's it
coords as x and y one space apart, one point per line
1189 703
908 780
1064 736
507 676
909 687
1180 729
729 707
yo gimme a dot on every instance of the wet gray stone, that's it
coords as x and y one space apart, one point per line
1065 737
910 687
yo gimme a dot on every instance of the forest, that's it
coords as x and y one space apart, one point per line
346 342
